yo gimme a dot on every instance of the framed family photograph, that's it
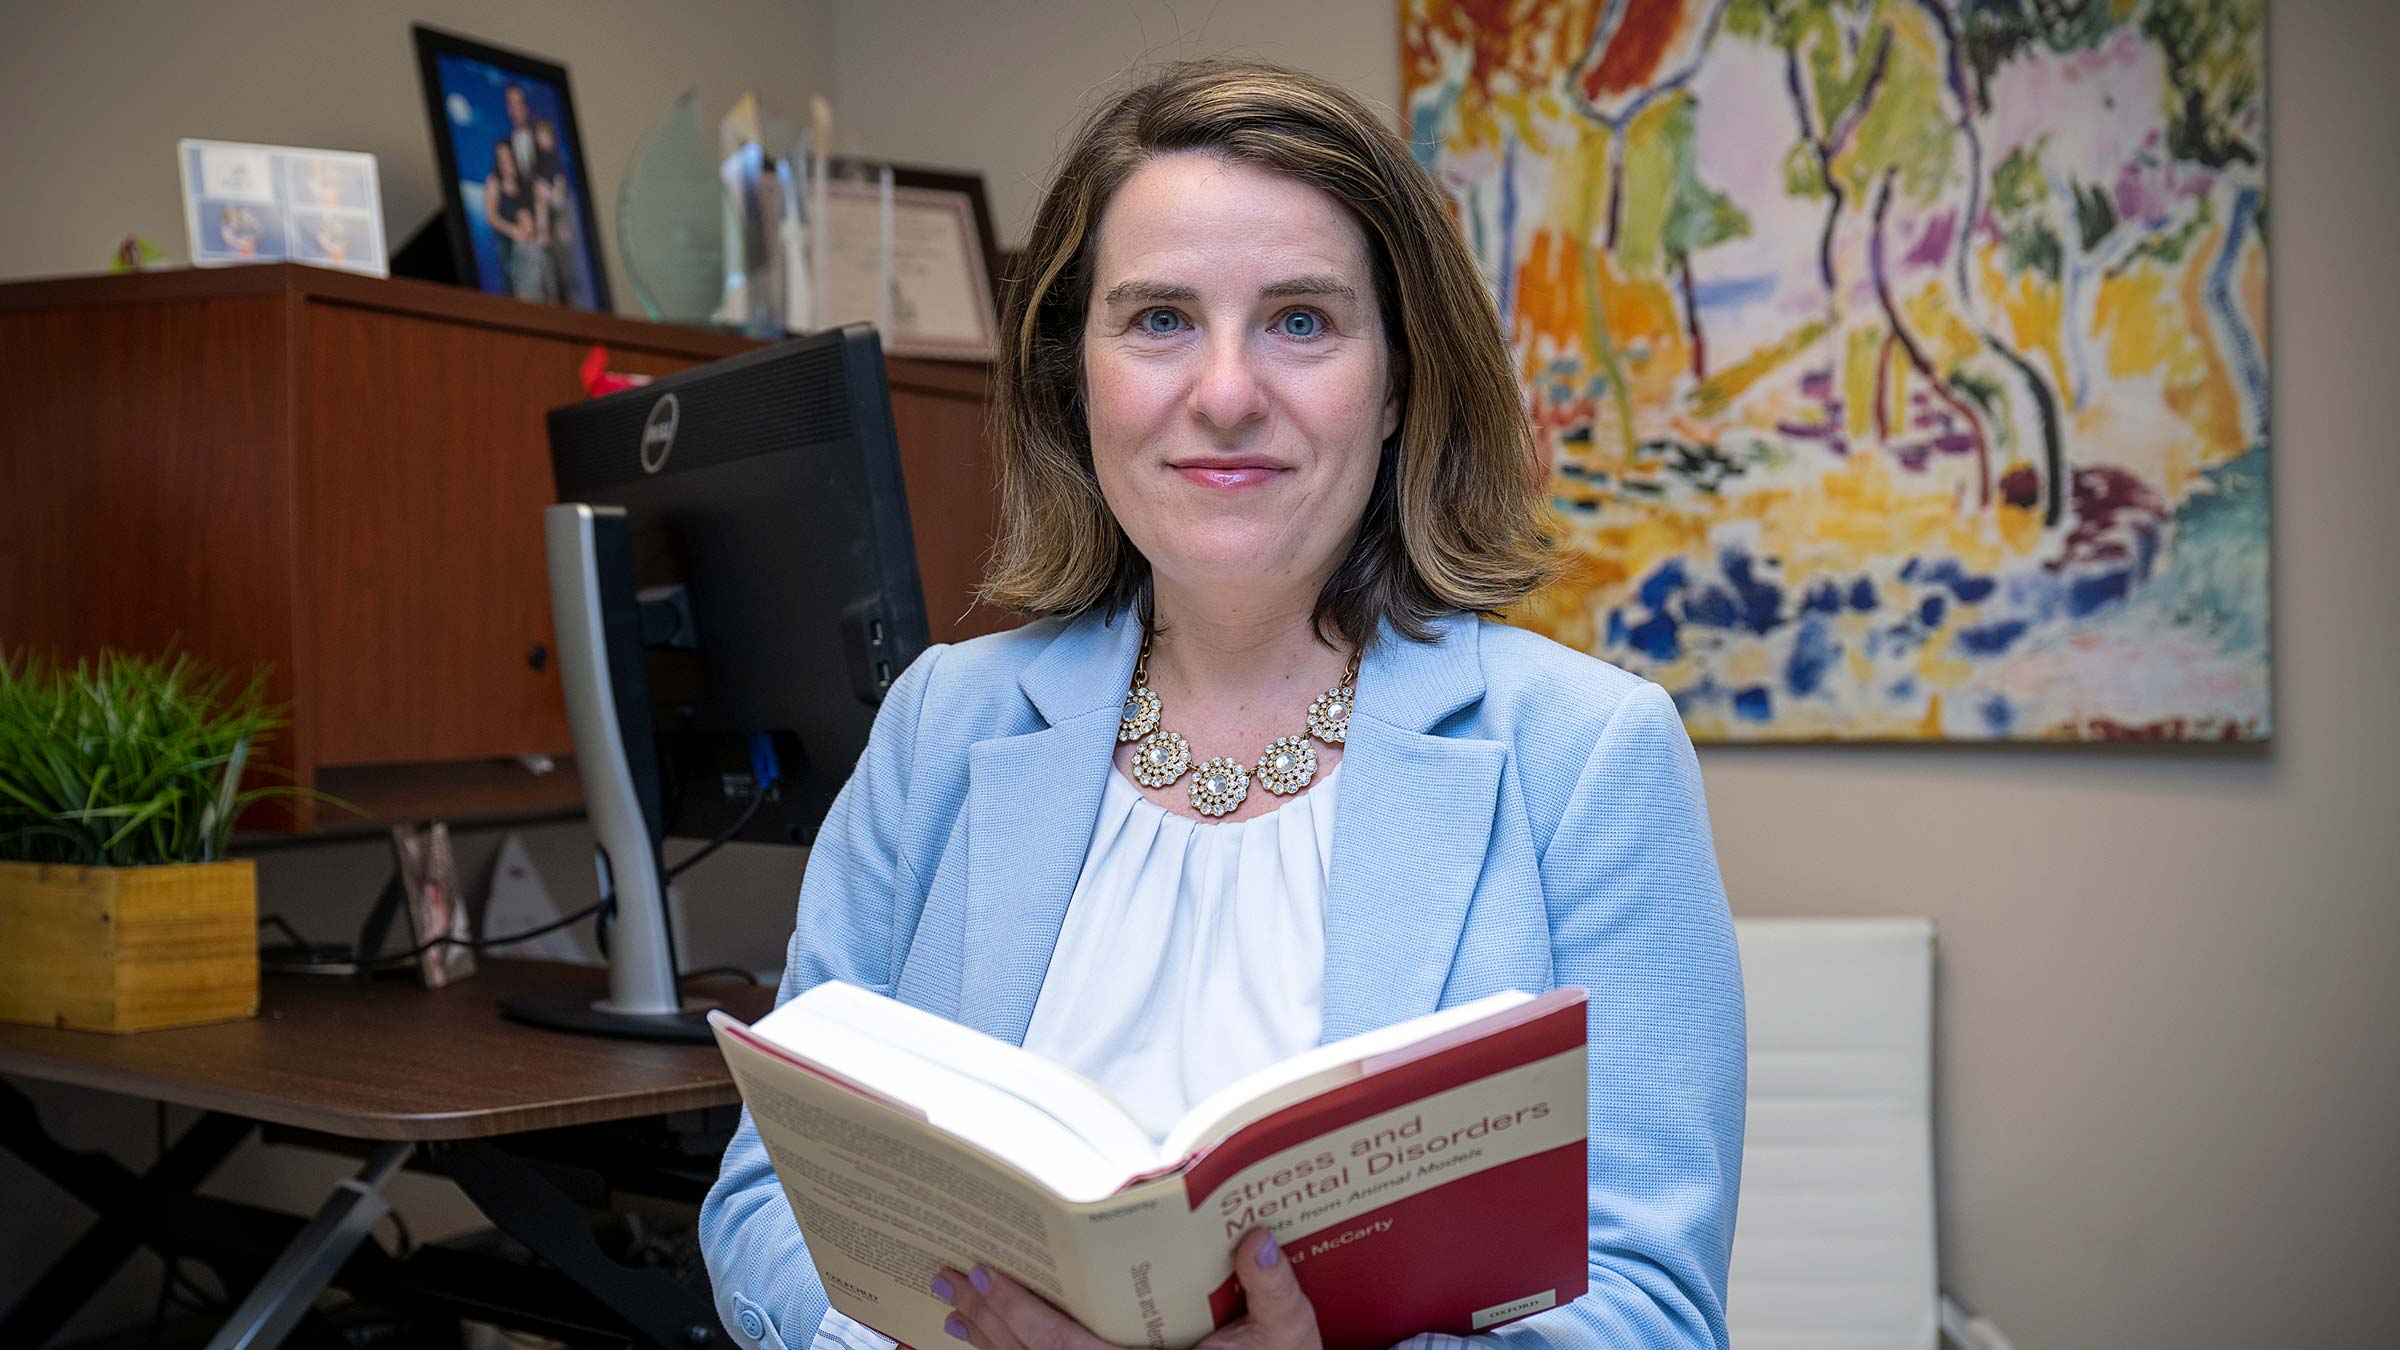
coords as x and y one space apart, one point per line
515 182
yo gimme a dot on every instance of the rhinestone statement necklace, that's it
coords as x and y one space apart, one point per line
1222 783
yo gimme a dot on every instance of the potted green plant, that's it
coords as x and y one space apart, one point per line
120 782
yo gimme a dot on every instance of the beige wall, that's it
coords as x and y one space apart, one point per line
998 85
2170 983
2169 1017
98 94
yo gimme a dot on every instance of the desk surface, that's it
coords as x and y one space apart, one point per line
389 1060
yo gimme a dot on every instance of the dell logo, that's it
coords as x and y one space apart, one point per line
658 434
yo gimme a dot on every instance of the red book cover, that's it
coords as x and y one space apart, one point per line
1501 1231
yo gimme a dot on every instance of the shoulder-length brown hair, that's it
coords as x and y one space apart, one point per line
1455 519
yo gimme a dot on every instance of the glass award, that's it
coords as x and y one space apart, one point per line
669 232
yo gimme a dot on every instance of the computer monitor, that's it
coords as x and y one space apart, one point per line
734 586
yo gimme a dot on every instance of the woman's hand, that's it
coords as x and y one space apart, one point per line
996 1313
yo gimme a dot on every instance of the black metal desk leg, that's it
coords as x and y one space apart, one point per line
132 1210
662 1314
279 1301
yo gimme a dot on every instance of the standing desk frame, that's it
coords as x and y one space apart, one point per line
535 1127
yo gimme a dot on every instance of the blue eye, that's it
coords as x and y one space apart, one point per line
1149 322
1309 324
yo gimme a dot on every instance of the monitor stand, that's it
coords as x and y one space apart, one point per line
584 1017
686 1021
598 621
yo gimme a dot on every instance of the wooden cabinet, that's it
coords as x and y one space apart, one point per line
341 479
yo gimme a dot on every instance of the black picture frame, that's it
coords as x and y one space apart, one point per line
580 270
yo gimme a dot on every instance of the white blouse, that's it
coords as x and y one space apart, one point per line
1191 953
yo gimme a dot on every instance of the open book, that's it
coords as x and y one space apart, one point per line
1425 1177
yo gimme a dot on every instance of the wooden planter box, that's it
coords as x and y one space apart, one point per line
128 948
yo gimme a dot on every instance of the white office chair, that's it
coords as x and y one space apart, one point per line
1834 1247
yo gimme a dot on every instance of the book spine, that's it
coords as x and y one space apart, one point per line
1141 1261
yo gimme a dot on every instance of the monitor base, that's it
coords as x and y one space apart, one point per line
585 1018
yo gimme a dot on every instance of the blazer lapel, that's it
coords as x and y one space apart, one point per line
1410 832
1032 802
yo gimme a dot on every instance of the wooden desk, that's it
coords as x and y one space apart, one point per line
385 1062
389 1060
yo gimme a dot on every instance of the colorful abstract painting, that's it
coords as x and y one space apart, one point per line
1900 365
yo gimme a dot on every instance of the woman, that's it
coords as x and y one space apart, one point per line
514 211
1262 459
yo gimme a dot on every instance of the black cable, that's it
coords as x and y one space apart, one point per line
405 1241
749 813
198 1299
740 822
288 931
478 944
745 976
608 903
389 902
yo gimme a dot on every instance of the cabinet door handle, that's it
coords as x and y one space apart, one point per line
539 657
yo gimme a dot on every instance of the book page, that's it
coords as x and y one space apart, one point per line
1026 1134
1072 1100
1261 1094
885 1200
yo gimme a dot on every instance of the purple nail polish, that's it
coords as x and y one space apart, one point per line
1267 1254
955 1328
942 1289
981 1279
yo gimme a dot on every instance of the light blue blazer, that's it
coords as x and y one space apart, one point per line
1513 815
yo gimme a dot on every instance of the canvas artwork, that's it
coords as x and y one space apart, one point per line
1900 365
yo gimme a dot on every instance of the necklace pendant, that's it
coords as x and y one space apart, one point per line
1329 716
1220 786
1161 759
1286 765
1140 717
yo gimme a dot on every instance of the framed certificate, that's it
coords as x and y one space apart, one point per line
944 260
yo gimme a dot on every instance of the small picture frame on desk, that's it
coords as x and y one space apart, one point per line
245 203
945 260
435 906
516 185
